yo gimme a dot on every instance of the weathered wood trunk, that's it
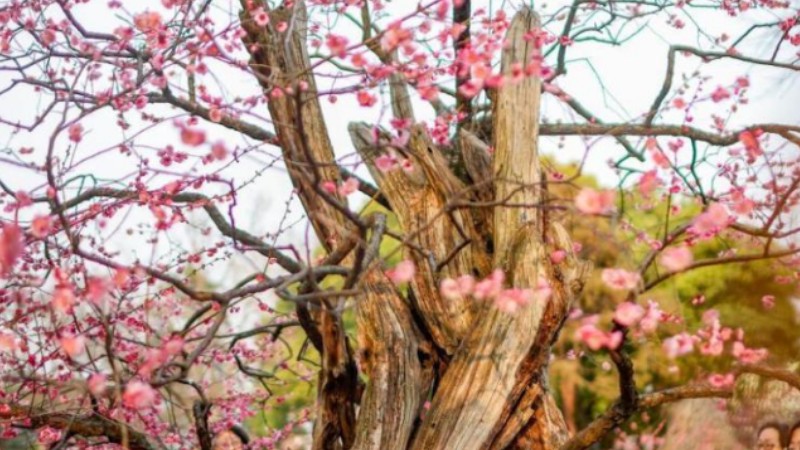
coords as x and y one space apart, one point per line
483 370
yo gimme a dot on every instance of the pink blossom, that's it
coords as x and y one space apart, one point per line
366 99
678 345
11 247
138 395
48 36
328 186
8 342
542 291
652 317
394 36
749 139
557 256
449 289
748 355
471 88
147 22
512 300
386 162
96 384
96 289
192 137
659 158
63 300
154 358
768 301
648 183
594 338
712 221
741 205
676 259
403 272
628 314
260 17
719 380
173 346
40 227
337 45
457 289
590 201
720 94
620 279
48 435
480 71
75 132
121 277
613 340
710 317
73 345
490 286
590 335
215 115
348 187
713 347
219 151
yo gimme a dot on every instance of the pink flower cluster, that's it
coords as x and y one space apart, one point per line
403 272
348 186
711 341
156 357
679 345
11 247
595 338
627 314
491 288
713 220
676 259
138 395
620 279
590 201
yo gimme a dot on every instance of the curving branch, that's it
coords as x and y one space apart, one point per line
222 224
788 377
619 413
87 426
706 56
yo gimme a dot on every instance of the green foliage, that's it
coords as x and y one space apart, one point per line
735 290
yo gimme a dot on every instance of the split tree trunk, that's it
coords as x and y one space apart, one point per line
483 370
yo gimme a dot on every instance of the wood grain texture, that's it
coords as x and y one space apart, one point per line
438 238
481 385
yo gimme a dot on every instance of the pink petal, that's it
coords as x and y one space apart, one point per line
628 314
138 395
676 259
403 272
590 201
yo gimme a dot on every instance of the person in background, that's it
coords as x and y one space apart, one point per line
234 438
794 437
771 436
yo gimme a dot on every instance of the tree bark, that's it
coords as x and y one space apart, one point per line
483 368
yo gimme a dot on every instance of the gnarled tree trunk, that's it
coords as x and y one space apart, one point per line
483 370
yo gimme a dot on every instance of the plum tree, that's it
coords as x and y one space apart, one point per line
138 311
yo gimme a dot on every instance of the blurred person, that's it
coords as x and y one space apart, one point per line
234 438
794 437
771 436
